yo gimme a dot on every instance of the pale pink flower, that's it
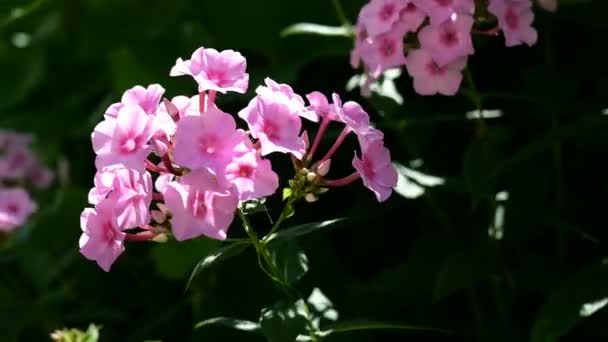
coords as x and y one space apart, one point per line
200 206
146 98
124 139
380 53
213 70
449 40
379 16
131 192
288 96
430 78
16 162
376 170
101 239
16 206
208 141
40 176
320 105
252 176
411 17
356 119
515 20
272 119
162 180
442 10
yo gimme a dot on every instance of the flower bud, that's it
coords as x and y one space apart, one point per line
323 168
321 191
311 176
305 139
160 238
310 198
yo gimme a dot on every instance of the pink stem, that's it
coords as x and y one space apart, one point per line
158 197
320 133
168 164
147 227
336 144
144 236
202 104
210 99
154 168
491 32
343 181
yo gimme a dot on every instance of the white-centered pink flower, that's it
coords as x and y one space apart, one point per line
376 170
124 139
16 206
252 176
208 141
448 41
200 206
101 240
430 78
214 70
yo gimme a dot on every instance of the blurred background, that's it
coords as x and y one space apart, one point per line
497 232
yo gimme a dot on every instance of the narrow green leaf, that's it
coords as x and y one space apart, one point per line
233 323
282 323
316 29
363 325
304 229
222 254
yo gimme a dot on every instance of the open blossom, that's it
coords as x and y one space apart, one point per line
101 239
272 119
441 10
208 141
411 18
16 162
16 206
252 176
379 53
213 70
200 206
147 99
375 168
379 16
515 19
356 119
320 105
124 139
430 78
449 40
284 91
131 192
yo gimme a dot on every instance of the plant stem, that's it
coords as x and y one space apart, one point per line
340 13
274 272
287 210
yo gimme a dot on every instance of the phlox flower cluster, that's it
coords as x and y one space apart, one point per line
19 170
433 38
183 166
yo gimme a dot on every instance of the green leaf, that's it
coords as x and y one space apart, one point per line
316 29
579 297
283 323
367 325
290 259
304 229
233 323
287 192
221 254
175 260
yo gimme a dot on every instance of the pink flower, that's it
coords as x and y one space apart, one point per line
548 5
515 19
411 17
146 98
101 239
321 106
376 170
273 120
207 141
124 139
252 176
16 206
286 93
40 176
430 78
380 53
356 119
449 40
379 16
17 162
200 206
131 192
442 10
219 71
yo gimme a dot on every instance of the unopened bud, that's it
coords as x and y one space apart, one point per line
322 190
323 168
160 238
310 198
305 139
311 176
158 216
291 183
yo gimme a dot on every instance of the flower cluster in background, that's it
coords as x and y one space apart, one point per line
19 170
183 167
433 38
